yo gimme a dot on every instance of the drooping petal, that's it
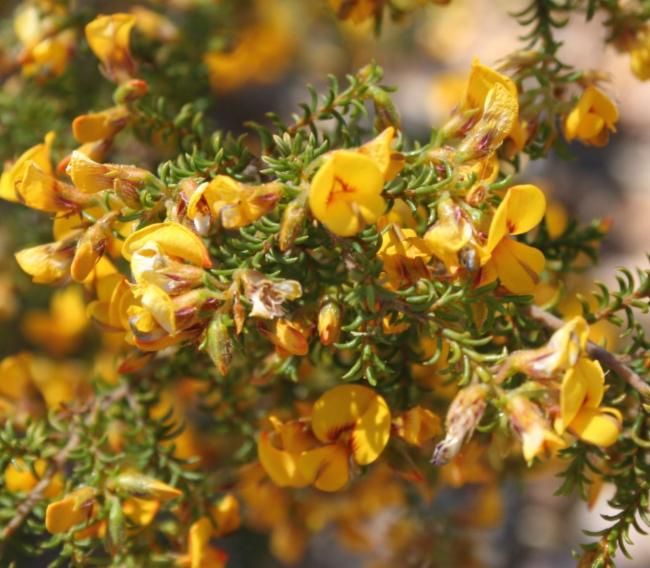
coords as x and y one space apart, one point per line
326 467
518 265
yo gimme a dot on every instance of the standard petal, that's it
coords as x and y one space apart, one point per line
174 239
525 205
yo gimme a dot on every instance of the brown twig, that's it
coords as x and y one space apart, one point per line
101 404
607 358
23 510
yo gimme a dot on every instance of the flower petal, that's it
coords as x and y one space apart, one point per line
518 265
174 239
327 467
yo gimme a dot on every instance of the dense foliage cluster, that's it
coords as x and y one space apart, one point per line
317 324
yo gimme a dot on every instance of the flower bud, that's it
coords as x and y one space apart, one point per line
226 515
91 247
116 524
138 485
292 222
130 91
101 125
219 344
329 323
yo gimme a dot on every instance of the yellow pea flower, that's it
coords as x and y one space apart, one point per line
19 477
49 57
516 264
42 191
329 323
348 421
640 54
13 174
346 191
581 393
173 239
16 387
404 256
226 515
592 119
537 438
48 263
289 337
44 54
488 112
262 51
234 203
59 329
159 304
159 320
559 354
497 120
417 425
279 453
71 510
109 38
451 232
90 176
150 264
355 417
97 126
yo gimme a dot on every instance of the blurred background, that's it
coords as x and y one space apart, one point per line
426 55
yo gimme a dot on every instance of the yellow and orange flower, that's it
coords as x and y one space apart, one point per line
517 265
347 422
592 119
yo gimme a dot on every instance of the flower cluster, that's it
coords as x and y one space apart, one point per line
286 332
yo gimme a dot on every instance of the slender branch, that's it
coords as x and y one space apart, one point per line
607 358
101 404
23 510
